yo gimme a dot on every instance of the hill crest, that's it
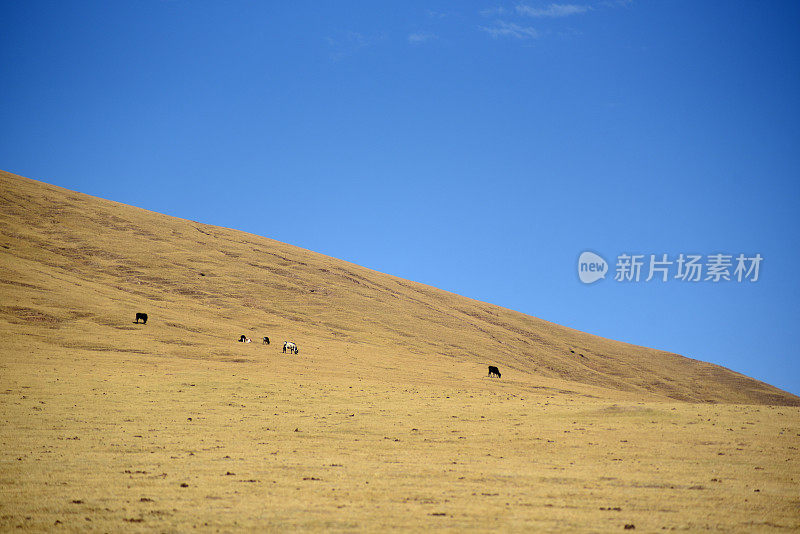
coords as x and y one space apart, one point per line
74 269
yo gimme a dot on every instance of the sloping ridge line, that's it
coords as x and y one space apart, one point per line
73 259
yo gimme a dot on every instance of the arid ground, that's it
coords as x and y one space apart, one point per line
384 420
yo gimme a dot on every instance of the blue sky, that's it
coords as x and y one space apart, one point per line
479 147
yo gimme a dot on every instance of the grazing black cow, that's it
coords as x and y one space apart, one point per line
494 371
244 339
142 316
266 340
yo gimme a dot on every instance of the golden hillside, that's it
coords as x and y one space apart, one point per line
384 420
74 270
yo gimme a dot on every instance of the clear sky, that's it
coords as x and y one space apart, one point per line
479 147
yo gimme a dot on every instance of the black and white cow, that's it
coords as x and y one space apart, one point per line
266 340
244 339
291 347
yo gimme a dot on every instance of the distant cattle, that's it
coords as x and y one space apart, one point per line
244 339
142 316
494 371
266 340
290 347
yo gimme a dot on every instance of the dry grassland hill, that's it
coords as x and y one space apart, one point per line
75 269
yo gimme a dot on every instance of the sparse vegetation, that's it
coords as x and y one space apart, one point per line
386 419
